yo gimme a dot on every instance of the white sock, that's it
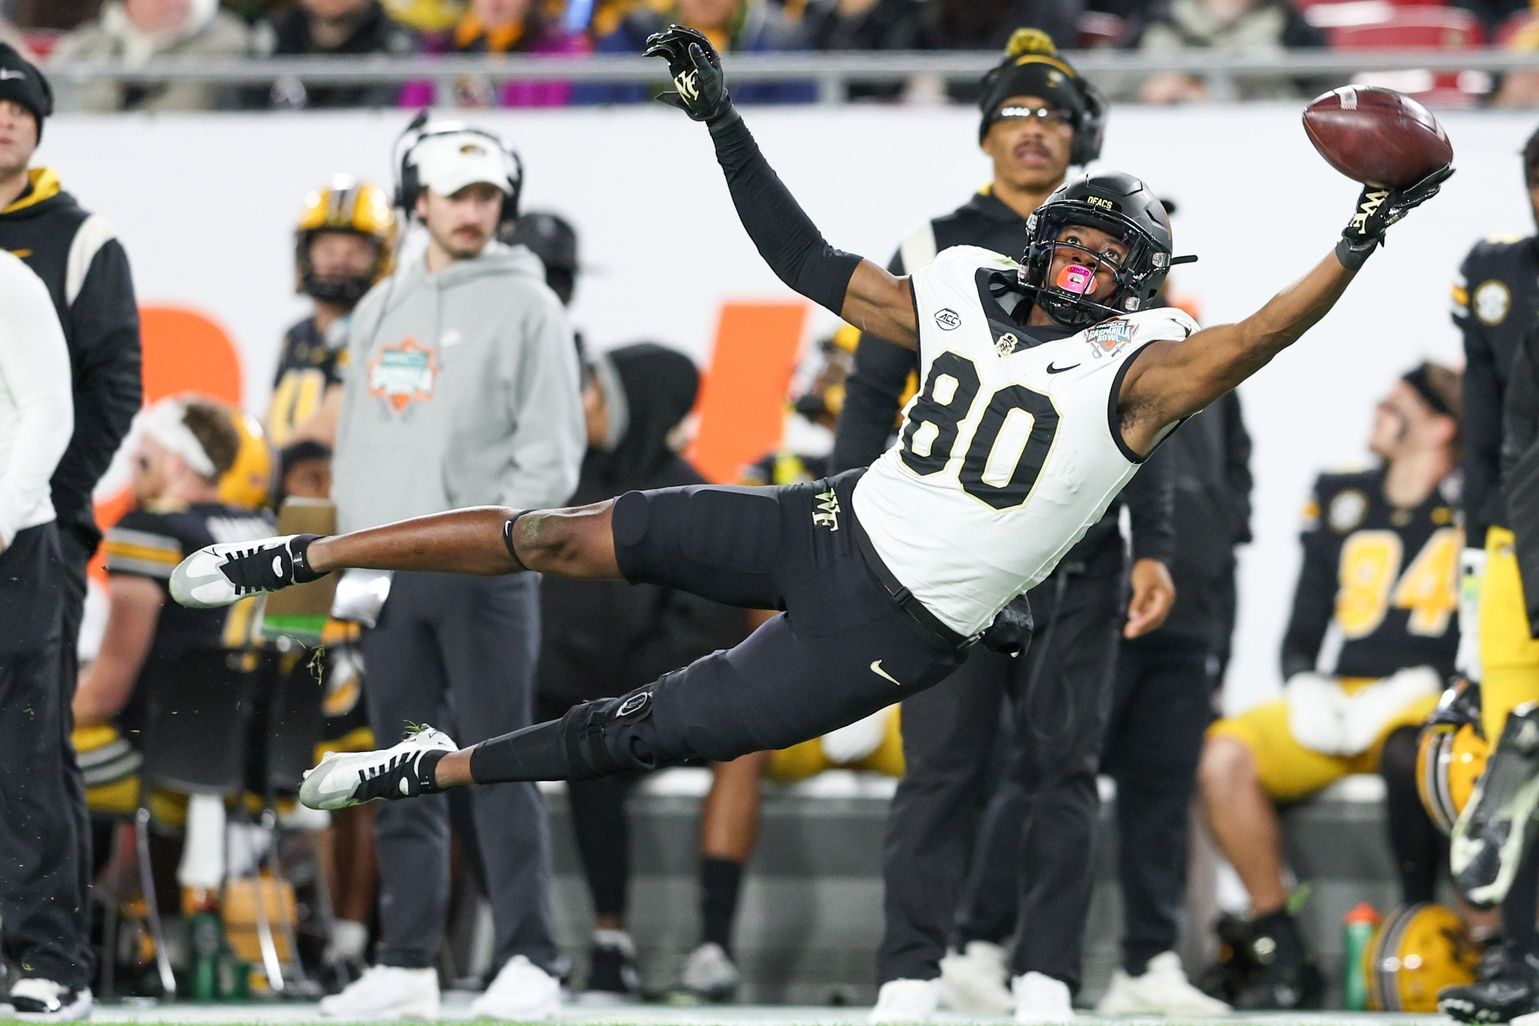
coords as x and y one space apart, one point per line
348 940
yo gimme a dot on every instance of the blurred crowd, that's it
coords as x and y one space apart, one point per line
136 32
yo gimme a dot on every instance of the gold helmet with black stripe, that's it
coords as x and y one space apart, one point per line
248 482
1451 754
1417 951
345 204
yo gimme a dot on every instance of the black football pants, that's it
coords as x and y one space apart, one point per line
42 900
1161 704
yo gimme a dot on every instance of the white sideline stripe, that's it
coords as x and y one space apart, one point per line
456 1008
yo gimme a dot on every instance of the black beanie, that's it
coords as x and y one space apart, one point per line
21 82
1032 67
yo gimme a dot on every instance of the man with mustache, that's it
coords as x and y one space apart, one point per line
460 386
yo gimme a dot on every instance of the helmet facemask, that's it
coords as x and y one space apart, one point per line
1137 276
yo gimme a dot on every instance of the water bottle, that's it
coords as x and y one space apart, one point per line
1359 926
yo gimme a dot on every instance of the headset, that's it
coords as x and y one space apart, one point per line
408 183
1090 130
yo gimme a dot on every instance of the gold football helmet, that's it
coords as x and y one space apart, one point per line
248 482
345 204
1415 952
1451 754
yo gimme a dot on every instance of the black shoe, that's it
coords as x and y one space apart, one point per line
1499 997
612 975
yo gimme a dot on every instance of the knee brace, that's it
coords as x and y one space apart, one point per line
612 735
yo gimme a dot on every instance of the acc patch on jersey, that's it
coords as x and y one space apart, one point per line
1109 336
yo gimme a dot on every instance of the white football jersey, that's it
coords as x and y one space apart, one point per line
1010 450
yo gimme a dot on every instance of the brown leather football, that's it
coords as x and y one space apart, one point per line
1376 136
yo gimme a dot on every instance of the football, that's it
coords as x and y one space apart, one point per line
1376 136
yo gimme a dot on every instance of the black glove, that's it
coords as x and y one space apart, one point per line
696 70
1378 208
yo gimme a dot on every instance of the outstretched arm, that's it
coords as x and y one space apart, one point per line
856 289
1173 380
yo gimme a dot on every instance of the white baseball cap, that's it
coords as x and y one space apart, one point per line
447 163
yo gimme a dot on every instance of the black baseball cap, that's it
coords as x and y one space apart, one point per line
22 83
551 237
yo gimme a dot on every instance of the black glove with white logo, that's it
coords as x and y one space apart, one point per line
1379 207
699 87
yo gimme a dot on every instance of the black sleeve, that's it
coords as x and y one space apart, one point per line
872 395
1520 408
1151 502
785 236
1480 434
104 337
1314 598
1237 476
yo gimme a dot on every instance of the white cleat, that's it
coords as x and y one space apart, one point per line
709 975
976 980
1162 990
34 999
522 992
1041 1001
219 575
905 1001
386 992
352 779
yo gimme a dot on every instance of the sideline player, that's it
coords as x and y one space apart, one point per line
877 600
1495 298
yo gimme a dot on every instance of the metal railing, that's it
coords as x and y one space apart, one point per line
832 73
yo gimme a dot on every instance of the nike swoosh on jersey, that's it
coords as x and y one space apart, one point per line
876 668
1054 369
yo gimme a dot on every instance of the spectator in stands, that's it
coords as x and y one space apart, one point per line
1380 558
600 640
982 25
39 879
426 16
340 28
735 26
52 15
136 32
1521 88
1494 13
503 27
843 25
853 24
1252 28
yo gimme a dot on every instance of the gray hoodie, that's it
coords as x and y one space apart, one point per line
460 389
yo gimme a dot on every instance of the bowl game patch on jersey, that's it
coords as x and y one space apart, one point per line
1107 337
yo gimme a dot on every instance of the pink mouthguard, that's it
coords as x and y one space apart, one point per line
1076 278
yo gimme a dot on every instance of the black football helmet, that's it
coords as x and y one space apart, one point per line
1123 207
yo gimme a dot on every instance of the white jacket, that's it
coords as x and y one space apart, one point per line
37 410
